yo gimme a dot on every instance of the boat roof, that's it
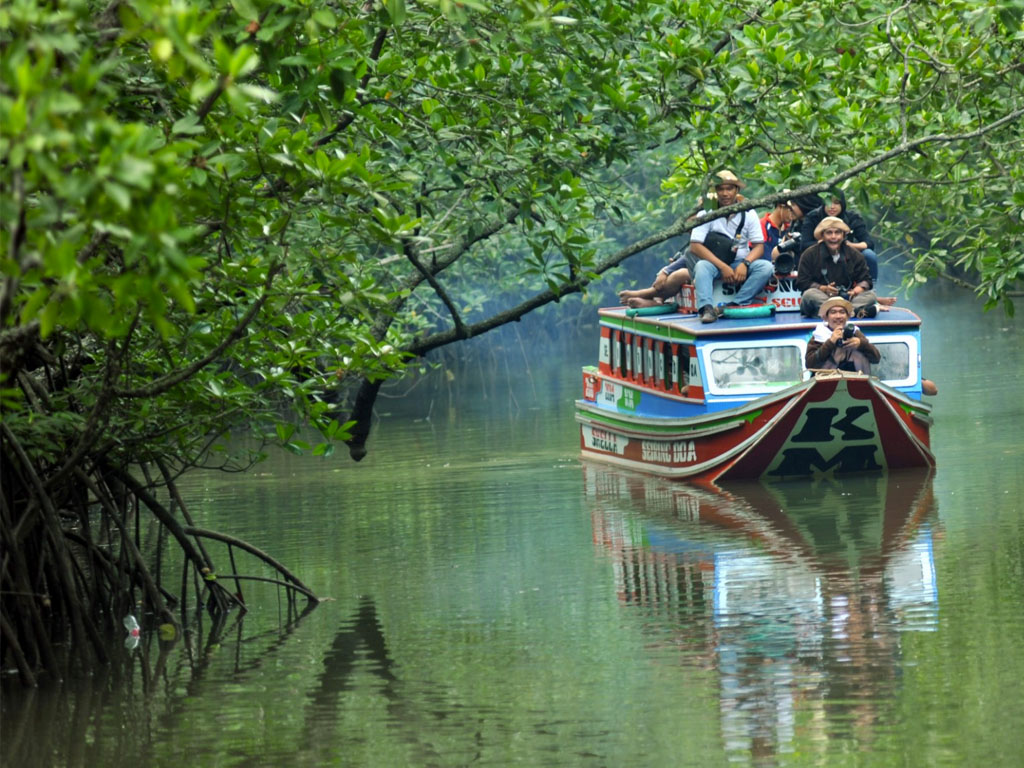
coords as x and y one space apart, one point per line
892 317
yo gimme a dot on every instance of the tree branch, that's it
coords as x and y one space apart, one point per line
165 383
349 117
438 288
363 410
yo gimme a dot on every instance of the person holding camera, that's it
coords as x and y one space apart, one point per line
837 344
776 226
781 230
831 268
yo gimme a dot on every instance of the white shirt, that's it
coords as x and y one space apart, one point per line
749 232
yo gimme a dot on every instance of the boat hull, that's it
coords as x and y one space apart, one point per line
835 423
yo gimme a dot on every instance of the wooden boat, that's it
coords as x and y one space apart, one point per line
732 400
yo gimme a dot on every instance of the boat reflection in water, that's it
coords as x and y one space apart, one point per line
797 593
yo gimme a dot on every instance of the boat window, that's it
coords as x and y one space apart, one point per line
736 369
898 366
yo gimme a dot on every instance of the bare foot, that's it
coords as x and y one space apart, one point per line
636 303
884 302
625 296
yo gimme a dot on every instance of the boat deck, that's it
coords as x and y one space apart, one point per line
725 326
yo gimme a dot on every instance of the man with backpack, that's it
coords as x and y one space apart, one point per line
728 248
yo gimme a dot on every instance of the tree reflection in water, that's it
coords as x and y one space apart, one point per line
97 719
797 593
362 639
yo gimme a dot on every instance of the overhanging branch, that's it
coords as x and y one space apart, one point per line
684 225
362 412
165 383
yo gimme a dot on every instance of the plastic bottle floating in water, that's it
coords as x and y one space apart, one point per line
134 632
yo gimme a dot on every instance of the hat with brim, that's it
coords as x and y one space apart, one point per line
830 222
728 177
835 301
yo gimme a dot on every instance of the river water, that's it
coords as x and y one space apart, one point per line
495 601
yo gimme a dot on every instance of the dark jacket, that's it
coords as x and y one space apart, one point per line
817 268
828 355
858 229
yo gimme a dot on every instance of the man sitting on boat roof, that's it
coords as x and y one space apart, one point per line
831 268
860 238
782 243
729 248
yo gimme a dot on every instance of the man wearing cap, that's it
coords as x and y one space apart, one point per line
830 268
743 267
832 346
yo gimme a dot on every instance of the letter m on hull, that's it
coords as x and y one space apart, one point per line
804 461
840 439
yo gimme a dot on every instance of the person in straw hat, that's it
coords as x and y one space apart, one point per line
859 237
831 268
727 248
739 264
835 346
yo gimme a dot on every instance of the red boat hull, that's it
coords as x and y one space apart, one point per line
835 423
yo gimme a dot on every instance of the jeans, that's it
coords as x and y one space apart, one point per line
812 299
872 259
705 274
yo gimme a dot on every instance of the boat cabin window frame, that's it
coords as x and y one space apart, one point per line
711 384
913 343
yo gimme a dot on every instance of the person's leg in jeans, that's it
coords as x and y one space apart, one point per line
872 259
758 275
705 274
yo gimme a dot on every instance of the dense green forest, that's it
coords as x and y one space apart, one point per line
247 215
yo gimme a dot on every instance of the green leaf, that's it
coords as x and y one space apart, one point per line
325 18
120 196
396 10
245 9
187 126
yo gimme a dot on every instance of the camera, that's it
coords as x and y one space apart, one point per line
843 294
848 330
790 244
785 263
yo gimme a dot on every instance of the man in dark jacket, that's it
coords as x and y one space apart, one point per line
860 238
832 347
830 268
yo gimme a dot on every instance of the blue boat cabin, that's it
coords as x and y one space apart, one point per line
673 365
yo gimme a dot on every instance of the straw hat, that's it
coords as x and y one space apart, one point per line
835 301
830 222
728 177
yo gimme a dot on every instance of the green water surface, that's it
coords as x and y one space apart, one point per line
494 601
